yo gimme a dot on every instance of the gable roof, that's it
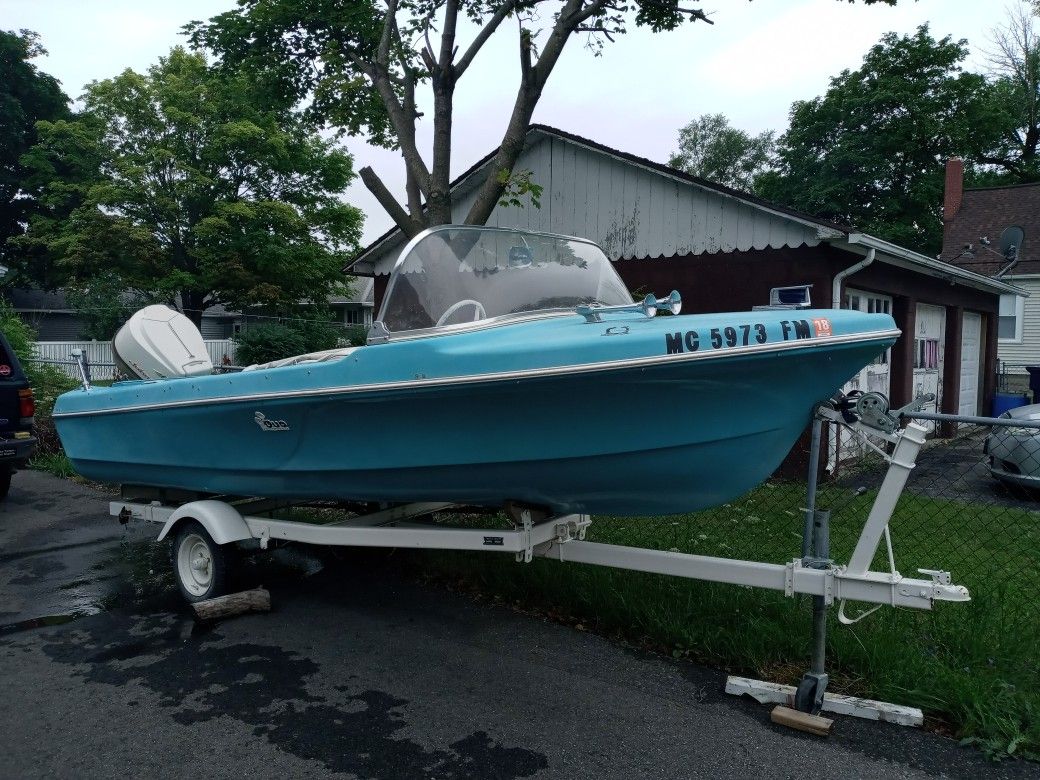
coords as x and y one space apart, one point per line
467 180
985 212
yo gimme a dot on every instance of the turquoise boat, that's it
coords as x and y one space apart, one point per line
506 366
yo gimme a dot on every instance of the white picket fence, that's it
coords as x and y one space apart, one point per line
99 353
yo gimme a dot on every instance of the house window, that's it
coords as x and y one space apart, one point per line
871 303
1009 325
353 317
926 354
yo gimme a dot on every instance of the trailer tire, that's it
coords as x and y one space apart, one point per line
199 563
5 480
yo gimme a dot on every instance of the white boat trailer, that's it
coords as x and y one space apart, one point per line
201 529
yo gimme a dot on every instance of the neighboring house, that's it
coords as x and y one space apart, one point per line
54 320
48 313
358 308
974 216
723 250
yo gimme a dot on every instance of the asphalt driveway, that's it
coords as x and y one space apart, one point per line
358 672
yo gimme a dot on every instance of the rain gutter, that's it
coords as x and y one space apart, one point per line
842 275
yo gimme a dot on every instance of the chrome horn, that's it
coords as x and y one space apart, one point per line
649 306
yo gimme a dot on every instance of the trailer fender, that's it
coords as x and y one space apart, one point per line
221 520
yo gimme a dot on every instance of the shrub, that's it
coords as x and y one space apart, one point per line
315 332
263 343
356 335
47 381
20 336
318 334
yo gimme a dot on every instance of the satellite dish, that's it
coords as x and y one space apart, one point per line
1011 239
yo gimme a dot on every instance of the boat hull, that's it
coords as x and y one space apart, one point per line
644 434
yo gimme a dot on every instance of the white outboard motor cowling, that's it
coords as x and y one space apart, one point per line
160 343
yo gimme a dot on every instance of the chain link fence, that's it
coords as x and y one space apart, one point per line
971 507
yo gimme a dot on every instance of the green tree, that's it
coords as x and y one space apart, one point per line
190 187
1015 97
359 64
26 96
104 303
871 151
709 147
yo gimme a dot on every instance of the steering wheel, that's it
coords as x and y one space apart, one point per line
478 311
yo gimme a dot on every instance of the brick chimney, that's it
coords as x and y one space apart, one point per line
954 188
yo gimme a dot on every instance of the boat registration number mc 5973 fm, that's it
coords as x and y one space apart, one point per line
744 335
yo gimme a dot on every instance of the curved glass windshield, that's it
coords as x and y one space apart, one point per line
460 275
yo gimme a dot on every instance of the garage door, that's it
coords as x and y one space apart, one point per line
971 357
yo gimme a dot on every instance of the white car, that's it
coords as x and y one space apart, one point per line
1014 451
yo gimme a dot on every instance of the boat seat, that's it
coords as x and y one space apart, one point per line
311 357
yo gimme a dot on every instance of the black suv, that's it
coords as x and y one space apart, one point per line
17 407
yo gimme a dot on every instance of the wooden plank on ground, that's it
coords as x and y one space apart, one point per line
256 600
803 721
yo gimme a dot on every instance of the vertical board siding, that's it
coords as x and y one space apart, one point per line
698 221
540 165
581 193
630 214
745 229
669 222
760 230
641 239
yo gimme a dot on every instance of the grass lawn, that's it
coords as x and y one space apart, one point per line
973 668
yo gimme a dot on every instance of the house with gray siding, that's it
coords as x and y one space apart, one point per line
723 249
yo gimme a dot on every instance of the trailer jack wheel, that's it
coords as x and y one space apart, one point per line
808 697
199 563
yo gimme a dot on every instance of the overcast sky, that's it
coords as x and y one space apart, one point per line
750 65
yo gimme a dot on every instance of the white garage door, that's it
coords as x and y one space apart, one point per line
971 357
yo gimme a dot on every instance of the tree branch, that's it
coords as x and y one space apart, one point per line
489 28
388 202
415 204
533 78
606 33
451 11
403 122
694 13
389 29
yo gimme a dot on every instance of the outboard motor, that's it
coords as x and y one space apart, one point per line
160 343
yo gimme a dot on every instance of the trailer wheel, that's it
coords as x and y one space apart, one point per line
199 563
5 480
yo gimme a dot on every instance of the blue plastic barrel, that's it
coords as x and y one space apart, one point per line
1004 401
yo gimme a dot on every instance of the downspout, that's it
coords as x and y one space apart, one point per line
841 276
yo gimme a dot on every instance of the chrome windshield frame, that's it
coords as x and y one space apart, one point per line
382 334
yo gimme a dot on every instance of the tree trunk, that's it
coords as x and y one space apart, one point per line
192 305
439 203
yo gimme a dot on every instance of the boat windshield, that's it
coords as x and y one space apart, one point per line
460 275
